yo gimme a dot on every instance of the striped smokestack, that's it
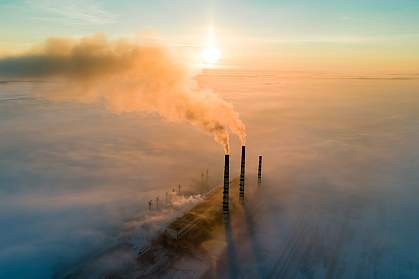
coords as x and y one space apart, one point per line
226 183
260 170
242 172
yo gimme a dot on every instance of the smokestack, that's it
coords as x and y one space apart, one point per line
207 182
226 183
242 171
260 171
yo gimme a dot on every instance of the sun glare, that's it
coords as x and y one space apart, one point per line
210 54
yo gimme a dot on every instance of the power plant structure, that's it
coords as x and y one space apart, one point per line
226 184
183 234
242 172
260 171
226 200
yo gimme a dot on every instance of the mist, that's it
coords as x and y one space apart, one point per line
339 176
126 77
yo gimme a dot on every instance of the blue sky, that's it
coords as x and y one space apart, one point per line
33 20
366 28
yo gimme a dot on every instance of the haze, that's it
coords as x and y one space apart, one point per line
328 93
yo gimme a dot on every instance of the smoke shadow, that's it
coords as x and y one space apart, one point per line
250 224
231 260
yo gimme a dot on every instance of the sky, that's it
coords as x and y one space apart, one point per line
348 36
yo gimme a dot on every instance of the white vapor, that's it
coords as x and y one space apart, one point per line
126 77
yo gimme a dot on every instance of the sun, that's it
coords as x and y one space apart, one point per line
210 55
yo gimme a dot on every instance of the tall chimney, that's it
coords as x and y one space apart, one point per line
260 171
242 172
226 183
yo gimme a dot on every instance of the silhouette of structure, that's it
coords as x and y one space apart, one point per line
260 171
242 172
226 184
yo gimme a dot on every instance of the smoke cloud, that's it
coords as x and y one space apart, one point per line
126 77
